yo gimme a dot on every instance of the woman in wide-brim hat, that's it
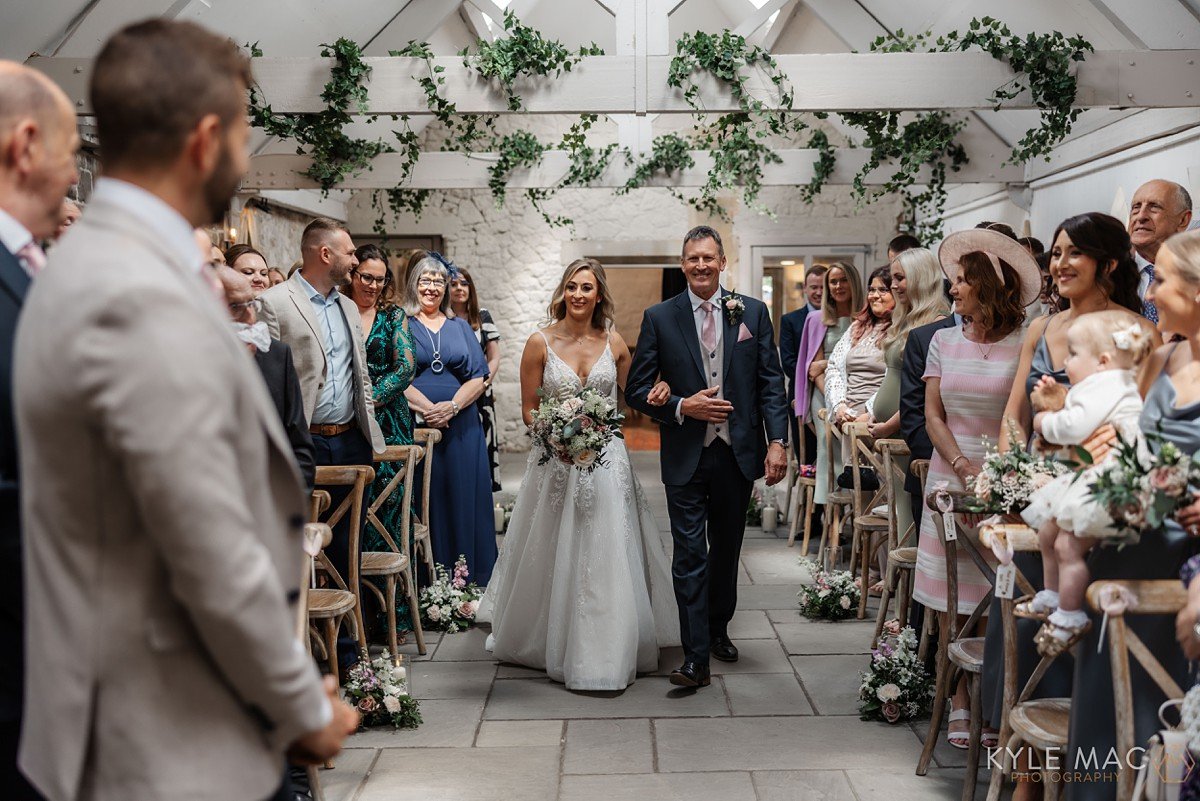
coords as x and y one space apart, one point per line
968 374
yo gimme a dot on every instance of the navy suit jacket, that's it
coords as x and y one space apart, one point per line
912 394
283 383
14 283
791 326
753 382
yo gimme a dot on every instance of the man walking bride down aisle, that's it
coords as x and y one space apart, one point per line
581 587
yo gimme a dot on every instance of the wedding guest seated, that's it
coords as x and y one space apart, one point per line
1170 384
274 360
252 264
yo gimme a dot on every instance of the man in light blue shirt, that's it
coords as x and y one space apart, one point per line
335 405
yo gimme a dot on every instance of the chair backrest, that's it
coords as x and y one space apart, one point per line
830 436
1117 599
405 457
357 478
863 457
318 502
427 438
892 476
951 545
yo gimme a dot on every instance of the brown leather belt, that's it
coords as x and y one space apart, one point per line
330 430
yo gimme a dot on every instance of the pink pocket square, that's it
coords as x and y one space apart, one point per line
744 333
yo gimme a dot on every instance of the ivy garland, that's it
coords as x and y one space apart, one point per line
737 142
523 51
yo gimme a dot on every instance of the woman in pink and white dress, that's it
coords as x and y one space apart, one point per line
582 588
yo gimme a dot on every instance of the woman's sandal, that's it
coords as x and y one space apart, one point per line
959 739
989 737
1052 639
1025 608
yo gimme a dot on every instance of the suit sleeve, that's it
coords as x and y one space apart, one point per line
789 349
912 390
268 315
160 385
295 424
771 394
642 375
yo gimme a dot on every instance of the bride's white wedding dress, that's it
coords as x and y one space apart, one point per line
582 588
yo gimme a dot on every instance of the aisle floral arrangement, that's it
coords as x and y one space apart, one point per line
834 595
450 602
575 429
896 686
1143 490
1007 480
379 690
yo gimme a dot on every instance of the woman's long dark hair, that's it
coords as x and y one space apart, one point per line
866 320
472 296
1104 238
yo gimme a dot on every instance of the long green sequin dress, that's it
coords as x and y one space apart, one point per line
391 363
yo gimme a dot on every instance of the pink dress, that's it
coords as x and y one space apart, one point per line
975 383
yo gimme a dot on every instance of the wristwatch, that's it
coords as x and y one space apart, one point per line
782 442
455 405
1196 628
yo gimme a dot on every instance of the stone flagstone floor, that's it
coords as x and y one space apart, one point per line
779 725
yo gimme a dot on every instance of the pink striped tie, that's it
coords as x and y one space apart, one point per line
32 257
708 329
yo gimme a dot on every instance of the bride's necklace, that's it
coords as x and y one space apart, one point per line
436 365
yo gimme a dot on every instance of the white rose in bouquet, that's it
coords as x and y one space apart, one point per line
585 458
844 602
888 692
391 703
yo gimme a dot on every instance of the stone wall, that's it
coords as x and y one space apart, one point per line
277 234
516 259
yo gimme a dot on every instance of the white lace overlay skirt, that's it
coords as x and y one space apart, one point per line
582 588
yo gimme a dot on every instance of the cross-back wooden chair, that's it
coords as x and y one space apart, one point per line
316 537
1041 724
868 525
427 438
901 545
958 653
920 469
839 503
394 565
803 495
1160 597
336 605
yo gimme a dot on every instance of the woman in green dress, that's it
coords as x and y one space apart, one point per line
917 290
391 365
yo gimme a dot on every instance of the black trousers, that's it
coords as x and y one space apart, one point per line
708 521
346 449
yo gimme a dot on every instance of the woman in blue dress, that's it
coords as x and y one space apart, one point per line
450 378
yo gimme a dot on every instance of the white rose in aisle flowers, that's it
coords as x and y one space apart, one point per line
434 613
844 602
823 594
888 692
391 703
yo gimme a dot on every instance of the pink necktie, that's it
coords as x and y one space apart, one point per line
708 329
33 257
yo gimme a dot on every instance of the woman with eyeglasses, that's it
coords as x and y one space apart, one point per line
391 363
464 300
451 371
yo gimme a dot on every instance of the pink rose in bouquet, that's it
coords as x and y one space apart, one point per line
890 711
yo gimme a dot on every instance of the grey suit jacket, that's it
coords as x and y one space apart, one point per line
288 312
163 514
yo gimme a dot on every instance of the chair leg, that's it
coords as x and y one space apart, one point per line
393 646
903 594
973 689
1053 790
996 781
940 697
884 601
414 609
331 629
926 631
794 516
809 495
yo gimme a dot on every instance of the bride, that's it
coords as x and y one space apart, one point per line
582 588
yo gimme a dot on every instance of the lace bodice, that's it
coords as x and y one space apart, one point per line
557 376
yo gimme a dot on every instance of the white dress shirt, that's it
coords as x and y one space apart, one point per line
14 236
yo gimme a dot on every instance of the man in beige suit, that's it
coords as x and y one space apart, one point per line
322 326
162 506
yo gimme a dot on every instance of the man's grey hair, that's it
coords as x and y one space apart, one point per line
704 232
1185 197
428 265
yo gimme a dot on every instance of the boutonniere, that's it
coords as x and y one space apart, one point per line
735 307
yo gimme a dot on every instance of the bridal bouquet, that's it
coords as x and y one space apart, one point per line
1007 480
449 603
574 429
379 690
834 595
896 686
1142 490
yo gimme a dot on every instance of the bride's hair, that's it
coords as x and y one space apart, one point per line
602 315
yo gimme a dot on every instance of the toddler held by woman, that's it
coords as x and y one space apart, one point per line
1103 351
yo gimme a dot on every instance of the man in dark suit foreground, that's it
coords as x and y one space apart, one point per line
37 165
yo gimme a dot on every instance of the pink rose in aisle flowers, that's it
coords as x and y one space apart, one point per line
467 609
890 712
891 627
367 705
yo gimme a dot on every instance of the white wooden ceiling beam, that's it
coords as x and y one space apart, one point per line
450 170
771 37
760 16
823 82
475 21
420 18
1156 26
1125 133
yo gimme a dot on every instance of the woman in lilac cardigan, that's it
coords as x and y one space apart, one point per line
842 299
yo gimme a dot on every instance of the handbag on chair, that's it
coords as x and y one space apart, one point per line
866 477
1167 762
